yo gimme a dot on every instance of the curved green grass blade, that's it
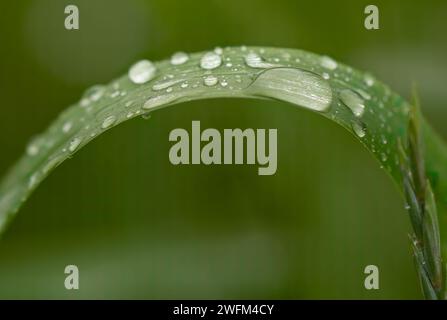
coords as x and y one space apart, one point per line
394 132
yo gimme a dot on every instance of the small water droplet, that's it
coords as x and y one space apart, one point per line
179 58
353 101
255 61
84 102
109 121
128 104
169 89
210 81
142 72
210 60
157 101
74 144
67 127
32 149
184 85
383 156
93 93
33 181
328 63
165 84
369 80
358 128
218 50
364 94
224 83
115 94
294 85
326 76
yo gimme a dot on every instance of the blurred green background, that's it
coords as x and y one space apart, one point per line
139 227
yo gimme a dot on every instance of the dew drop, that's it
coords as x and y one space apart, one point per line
384 157
142 72
115 94
358 128
165 84
353 101
325 76
210 60
255 61
32 149
328 63
67 127
158 101
218 50
179 58
108 122
369 80
74 144
210 81
294 85
92 94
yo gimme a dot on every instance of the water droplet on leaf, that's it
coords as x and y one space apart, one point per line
210 60
142 72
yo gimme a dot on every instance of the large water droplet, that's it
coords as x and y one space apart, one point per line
294 85
210 81
109 121
328 63
353 101
179 58
210 60
142 71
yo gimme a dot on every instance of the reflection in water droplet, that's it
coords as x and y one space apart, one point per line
179 58
294 85
353 101
210 60
142 72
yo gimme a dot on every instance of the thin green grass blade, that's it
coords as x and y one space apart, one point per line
394 132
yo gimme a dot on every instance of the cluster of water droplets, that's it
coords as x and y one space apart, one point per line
317 84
